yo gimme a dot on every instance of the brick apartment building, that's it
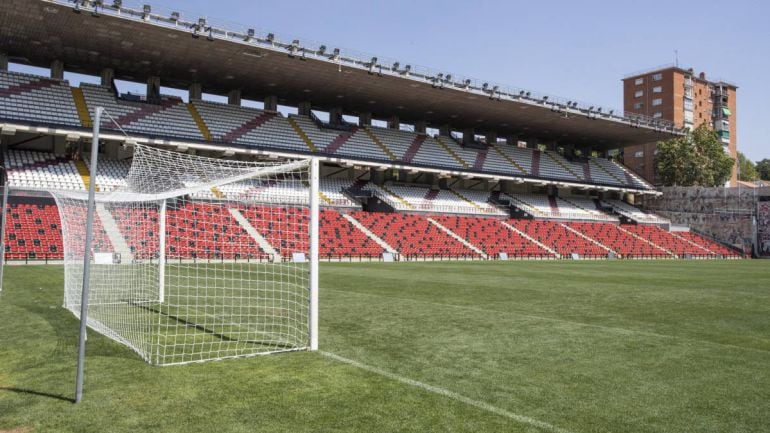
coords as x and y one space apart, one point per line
680 96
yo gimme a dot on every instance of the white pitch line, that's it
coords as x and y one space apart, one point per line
449 394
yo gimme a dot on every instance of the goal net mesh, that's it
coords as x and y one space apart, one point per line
195 258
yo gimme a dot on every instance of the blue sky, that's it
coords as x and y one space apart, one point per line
576 49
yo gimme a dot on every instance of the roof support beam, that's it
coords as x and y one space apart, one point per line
57 69
234 97
420 126
365 118
394 122
303 108
107 77
469 135
271 103
335 116
3 62
153 89
195 91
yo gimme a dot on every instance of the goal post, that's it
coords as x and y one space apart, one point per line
198 259
314 230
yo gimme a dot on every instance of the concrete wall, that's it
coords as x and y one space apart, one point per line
726 214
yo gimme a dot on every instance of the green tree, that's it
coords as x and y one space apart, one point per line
746 169
695 159
763 169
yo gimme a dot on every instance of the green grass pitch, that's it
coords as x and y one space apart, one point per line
607 346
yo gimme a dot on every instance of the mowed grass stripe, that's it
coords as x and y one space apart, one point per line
517 315
690 300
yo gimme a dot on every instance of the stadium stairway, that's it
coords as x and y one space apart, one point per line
459 238
630 233
302 135
196 116
85 174
82 107
413 236
589 239
454 154
562 164
380 144
709 244
510 160
261 241
378 240
694 244
531 239
111 230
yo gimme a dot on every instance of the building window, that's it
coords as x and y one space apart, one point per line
638 93
657 89
639 81
656 102
638 105
657 115
657 77
638 154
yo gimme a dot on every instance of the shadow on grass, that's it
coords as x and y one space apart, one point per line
37 393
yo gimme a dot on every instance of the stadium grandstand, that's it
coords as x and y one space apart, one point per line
415 164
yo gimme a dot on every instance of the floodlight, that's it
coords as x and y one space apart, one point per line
97 4
294 48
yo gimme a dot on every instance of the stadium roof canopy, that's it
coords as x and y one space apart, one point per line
139 44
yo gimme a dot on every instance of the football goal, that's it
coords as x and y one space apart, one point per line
195 258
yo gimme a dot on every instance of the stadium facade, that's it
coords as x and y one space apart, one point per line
418 163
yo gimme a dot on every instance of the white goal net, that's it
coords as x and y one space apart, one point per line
196 258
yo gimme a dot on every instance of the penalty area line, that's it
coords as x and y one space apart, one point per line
447 393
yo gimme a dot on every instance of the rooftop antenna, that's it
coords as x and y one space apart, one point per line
676 58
